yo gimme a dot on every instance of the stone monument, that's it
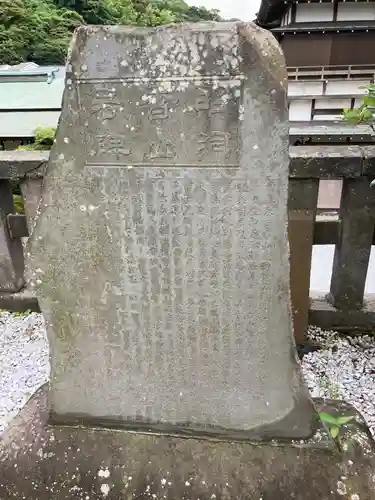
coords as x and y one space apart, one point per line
164 277
160 261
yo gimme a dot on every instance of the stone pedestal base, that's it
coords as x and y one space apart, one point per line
44 462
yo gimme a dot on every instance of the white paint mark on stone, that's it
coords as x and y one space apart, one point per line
255 146
104 488
66 140
341 488
354 496
163 481
187 483
104 473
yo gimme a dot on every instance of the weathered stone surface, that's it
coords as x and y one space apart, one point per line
40 462
160 256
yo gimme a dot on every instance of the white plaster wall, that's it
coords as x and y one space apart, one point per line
358 102
300 110
326 103
329 194
307 12
328 118
305 88
351 87
355 11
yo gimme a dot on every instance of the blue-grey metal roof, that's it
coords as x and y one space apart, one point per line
24 124
30 97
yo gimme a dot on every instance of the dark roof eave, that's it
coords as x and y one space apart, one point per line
270 11
325 26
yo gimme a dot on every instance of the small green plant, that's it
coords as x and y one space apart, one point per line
334 424
329 389
44 137
18 204
21 314
365 113
18 314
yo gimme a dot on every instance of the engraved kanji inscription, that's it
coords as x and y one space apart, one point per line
163 149
168 123
159 112
218 142
211 103
113 145
162 109
105 104
204 103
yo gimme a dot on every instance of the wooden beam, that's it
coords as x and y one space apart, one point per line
302 203
19 302
18 164
326 316
352 251
17 226
11 250
329 162
329 129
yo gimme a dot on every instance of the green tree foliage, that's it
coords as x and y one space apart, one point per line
40 30
35 30
366 112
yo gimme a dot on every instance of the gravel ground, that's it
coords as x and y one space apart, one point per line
343 369
24 364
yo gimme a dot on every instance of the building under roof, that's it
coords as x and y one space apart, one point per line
329 48
30 97
322 32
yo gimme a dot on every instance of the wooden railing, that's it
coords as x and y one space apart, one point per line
352 232
354 71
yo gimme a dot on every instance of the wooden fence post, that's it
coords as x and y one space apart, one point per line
352 251
11 251
303 199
